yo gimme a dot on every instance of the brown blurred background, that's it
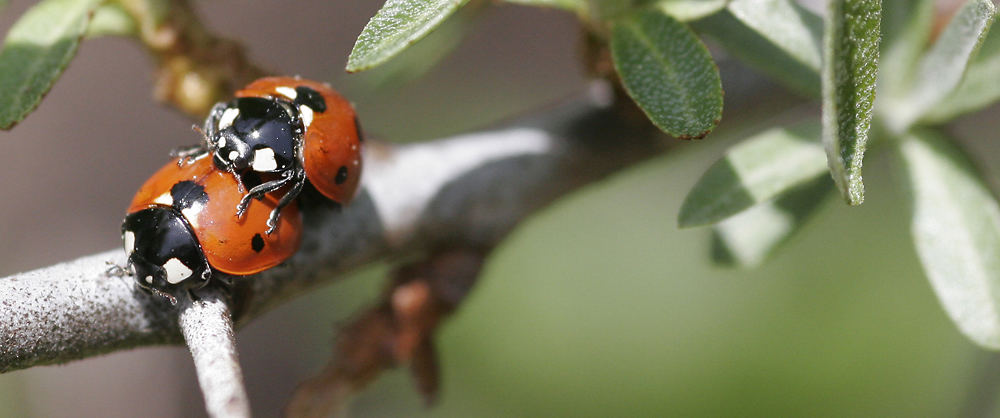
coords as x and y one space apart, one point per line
597 306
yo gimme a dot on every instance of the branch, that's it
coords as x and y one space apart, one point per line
208 331
466 190
196 67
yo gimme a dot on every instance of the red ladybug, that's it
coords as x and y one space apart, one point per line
179 228
288 130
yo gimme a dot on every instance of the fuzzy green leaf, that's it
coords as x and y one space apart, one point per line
791 55
906 29
747 239
785 24
685 10
755 171
979 87
942 67
36 51
956 231
397 25
418 60
668 72
850 68
111 20
578 6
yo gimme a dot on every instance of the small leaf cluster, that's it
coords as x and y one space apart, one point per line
766 187
923 75
662 63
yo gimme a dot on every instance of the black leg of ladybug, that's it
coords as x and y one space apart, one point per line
170 298
114 270
260 190
211 121
187 154
299 181
239 182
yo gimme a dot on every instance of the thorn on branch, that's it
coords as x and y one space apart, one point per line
398 331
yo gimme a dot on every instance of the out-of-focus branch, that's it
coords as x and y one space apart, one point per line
195 67
470 190
397 331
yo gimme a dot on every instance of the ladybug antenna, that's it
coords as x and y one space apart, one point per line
200 131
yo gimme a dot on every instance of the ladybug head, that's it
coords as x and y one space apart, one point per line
163 253
254 133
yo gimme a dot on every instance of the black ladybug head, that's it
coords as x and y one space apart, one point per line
163 252
254 133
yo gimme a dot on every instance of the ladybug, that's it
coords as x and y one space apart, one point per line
179 228
289 130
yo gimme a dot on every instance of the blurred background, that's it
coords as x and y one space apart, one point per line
596 306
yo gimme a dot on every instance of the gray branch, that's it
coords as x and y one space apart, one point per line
208 331
468 190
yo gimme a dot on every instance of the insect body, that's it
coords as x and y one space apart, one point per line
292 130
179 228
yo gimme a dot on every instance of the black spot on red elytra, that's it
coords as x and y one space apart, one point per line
341 175
257 243
186 193
309 97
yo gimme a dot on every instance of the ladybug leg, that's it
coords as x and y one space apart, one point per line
114 270
187 154
209 132
299 181
239 185
259 191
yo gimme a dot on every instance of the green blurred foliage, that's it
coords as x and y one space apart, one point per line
618 318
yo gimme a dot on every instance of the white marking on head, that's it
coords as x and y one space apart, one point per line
221 143
233 155
129 239
287 92
306 113
255 134
176 271
228 116
149 279
263 160
191 213
164 199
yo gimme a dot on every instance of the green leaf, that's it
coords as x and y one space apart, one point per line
906 30
578 6
397 25
668 72
755 171
850 68
956 231
747 239
785 24
979 87
111 20
419 59
36 51
941 68
778 37
685 10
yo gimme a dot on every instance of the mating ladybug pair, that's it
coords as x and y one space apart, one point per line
229 204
